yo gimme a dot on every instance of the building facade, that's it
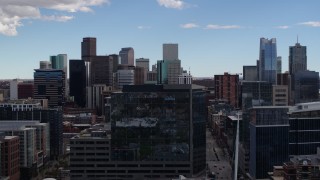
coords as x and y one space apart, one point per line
9 157
268 60
77 81
280 95
250 73
306 86
168 71
25 90
127 56
50 84
170 52
227 87
61 62
297 58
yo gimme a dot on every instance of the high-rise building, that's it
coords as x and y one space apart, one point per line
127 56
77 81
9 157
250 73
269 139
168 71
143 62
306 86
102 70
268 60
297 58
139 75
45 65
170 52
151 77
88 48
115 58
279 64
256 93
50 84
124 77
61 62
227 88
14 89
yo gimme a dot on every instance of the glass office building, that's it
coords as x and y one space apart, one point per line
268 60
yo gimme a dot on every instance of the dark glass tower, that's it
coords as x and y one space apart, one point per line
78 81
297 58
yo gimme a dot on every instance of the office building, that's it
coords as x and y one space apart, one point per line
304 133
151 77
227 88
139 75
284 79
280 95
250 73
61 62
25 90
115 58
124 77
77 82
170 52
143 62
268 60
269 139
50 84
88 48
297 58
165 127
45 65
9 157
102 70
306 86
279 64
168 71
256 93
127 56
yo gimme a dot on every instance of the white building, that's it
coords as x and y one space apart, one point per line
185 78
14 89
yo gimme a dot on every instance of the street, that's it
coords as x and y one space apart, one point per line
217 158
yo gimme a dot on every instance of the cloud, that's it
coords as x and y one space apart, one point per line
144 27
174 4
215 26
189 26
13 12
311 23
283 27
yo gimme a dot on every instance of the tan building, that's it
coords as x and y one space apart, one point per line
280 95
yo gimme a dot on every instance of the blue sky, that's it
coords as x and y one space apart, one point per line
214 36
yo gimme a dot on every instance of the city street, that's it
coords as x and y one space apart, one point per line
217 158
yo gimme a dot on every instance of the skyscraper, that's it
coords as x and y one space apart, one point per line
77 82
297 58
88 48
127 56
170 52
61 62
168 71
250 73
268 60
143 62
306 86
279 64
227 87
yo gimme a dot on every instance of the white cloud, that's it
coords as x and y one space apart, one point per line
175 4
189 26
283 27
215 26
12 12
311 23
144 27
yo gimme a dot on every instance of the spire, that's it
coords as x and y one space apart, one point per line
297 39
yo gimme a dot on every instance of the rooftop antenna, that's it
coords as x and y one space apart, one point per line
189 71
297 39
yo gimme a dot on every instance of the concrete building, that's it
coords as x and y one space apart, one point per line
139 75
250 73
125 77
88 48
50 84
227 87
143 62
151 77
14 89
102 70
9 157
170 52
269 139
280 95
127 56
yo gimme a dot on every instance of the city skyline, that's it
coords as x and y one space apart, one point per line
207 32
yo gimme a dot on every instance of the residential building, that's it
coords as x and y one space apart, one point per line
269 139
127 56
170 52
50 84
227 87
268 60
9 157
